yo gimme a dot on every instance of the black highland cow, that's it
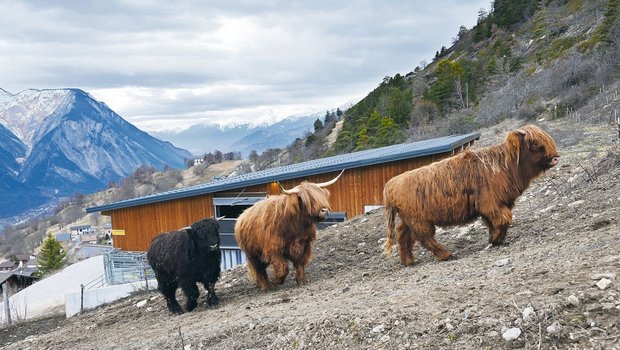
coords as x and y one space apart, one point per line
186 257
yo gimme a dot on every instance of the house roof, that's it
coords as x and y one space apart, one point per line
309 168
22 257
6 264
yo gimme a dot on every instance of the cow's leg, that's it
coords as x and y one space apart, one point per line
280 269
425 234
169 292
259 269
212 298
300 265
498 223
191 292
405 244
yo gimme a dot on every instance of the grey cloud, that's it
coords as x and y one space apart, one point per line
292 53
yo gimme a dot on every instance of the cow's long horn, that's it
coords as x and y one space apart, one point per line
294 190
521 131
220 218
331 182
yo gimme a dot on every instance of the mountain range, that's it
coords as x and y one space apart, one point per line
244 138
54 143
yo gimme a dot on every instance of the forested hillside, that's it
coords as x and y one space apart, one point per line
526 59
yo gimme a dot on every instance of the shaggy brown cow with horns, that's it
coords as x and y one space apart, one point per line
482 183
280 229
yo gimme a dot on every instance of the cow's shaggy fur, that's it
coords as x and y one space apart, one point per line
475 183
186 257
280 229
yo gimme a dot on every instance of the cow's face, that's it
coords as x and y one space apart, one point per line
540 149
205 234
541 156
534 150
313 201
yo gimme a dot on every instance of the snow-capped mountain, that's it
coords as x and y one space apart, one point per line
58 142
203 138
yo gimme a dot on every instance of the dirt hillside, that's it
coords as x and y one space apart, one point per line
556 282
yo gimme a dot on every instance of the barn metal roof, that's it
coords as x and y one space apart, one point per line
304 169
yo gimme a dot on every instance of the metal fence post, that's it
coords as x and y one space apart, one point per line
5 297
82 298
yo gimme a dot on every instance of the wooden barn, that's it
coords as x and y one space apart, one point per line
136 221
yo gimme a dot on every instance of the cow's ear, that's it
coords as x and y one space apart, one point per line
514 139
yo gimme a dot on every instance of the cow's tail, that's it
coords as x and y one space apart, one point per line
390 216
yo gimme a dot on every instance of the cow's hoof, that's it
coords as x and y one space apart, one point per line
176 311
450 257
212 300
500 243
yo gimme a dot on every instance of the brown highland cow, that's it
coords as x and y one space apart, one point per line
280 229
475 183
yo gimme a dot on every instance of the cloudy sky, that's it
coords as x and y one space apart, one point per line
171 64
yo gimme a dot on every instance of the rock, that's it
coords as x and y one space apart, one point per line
346 289
385 338
251 326
528 313
502 262
449 326
608 275
187 347
511 334
149 309
554 328
141 303
603 283
573 300
576 203
378 329
365 274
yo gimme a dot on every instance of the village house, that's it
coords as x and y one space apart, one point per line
81 229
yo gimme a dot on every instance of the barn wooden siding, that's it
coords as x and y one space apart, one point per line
355 189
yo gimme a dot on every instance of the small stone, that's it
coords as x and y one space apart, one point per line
378 329
502 262
493 334
528 313
576 203
141 303
365 274
251 326
346 289
511 334
608 275
187 347
385 338
573 300
149 309
449 326
554 328
603 283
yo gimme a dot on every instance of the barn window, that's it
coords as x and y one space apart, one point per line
232 206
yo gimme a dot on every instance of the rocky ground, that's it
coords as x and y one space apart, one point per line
555 285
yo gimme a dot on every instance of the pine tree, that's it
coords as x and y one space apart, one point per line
51 257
